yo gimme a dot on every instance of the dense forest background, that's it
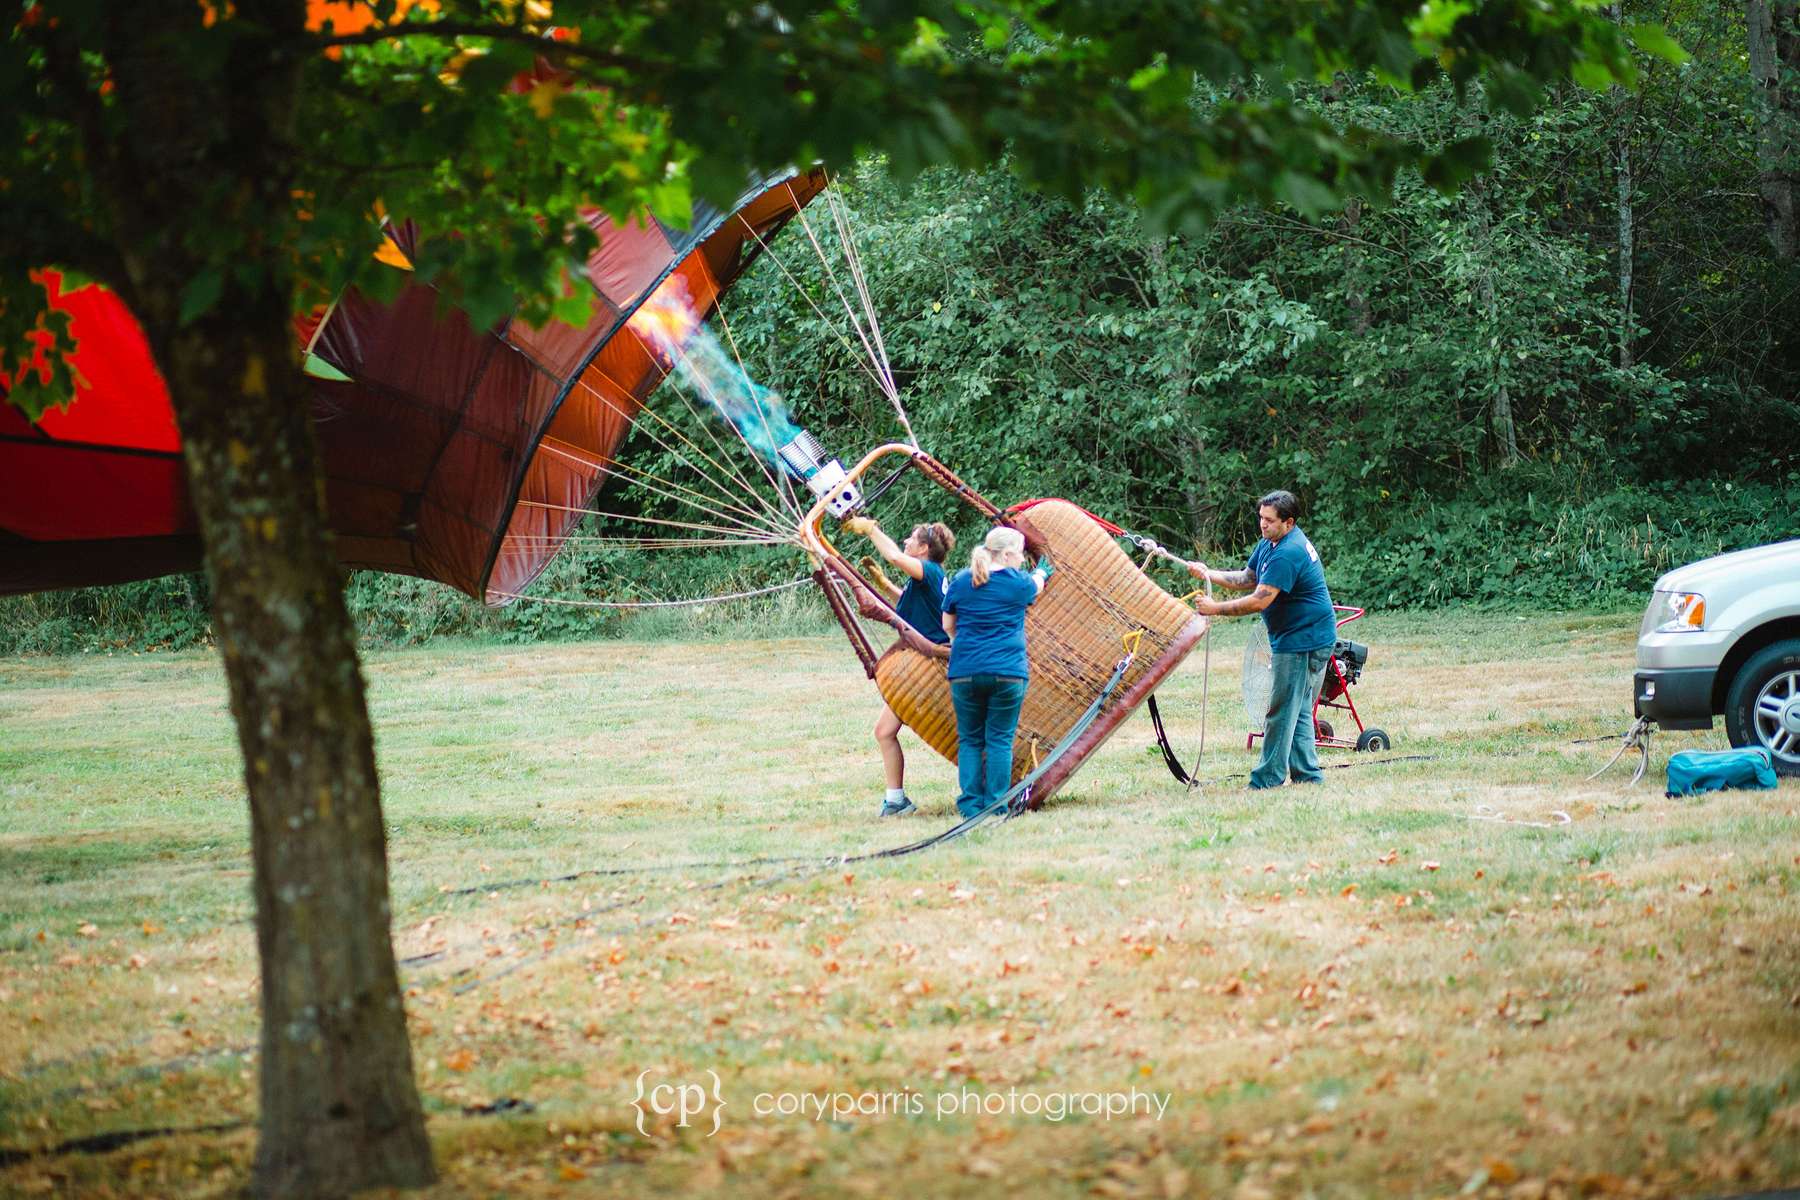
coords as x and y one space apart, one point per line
1581 370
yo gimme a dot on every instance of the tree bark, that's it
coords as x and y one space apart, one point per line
339 1108
1774 46
1627 349
1356 288
1194 464
1627 226
1500 412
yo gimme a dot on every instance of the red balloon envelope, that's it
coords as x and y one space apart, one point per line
452 453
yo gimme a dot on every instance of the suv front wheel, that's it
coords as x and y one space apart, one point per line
1762 706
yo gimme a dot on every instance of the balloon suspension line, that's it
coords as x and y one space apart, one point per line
865 359
748 520
779 587
771 538
749 489
763 521
788 497
840 214
704 386
1153 550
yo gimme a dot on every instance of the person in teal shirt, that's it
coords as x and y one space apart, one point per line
984 613
920 604
1290 593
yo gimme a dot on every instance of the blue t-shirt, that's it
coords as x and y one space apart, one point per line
921 602
1301 617
990 623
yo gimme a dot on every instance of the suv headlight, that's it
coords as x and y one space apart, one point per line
1677 612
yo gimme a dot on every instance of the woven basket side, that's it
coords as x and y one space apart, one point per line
1073 635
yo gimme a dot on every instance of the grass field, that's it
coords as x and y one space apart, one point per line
1416 980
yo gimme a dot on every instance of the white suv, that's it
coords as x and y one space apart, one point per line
1722 637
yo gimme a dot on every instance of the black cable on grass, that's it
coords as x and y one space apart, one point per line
821 865
104 1143
829 861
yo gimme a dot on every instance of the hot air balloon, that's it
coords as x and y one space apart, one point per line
453 453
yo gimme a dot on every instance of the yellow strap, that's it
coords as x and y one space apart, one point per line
1134 641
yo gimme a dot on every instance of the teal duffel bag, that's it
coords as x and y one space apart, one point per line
1694 771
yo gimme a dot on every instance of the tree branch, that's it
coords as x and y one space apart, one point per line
550 48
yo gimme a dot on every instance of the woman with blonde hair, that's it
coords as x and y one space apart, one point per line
919 604
984 614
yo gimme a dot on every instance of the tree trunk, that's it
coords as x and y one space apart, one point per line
1356 287
1627 352
1774 45
1193 465
1500 413
339 1108
1627 228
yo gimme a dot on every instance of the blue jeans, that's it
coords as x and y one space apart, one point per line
1289 749
987 716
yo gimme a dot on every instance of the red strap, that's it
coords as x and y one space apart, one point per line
1105 524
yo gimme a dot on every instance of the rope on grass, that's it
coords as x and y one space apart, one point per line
1487 812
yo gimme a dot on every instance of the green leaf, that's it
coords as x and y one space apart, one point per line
200 294
1144 77
1394 54
1437 18
1654 39
1304 193
1591 75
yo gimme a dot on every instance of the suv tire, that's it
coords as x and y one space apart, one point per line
1762 705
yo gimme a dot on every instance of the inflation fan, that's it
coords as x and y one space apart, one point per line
1348 659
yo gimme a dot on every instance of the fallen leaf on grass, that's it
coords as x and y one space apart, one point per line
1501 1172
459 1060
1635 987
88 929
1430 865
1602 1183
570 1173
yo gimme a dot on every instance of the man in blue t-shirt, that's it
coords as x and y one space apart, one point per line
1290 593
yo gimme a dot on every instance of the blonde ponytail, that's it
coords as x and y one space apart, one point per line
981 564
1000 542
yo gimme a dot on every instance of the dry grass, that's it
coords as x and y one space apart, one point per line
1358 989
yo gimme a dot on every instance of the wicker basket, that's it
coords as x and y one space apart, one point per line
1074 638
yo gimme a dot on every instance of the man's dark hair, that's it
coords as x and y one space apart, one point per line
1285 505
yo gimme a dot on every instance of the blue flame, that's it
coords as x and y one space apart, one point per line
668 323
